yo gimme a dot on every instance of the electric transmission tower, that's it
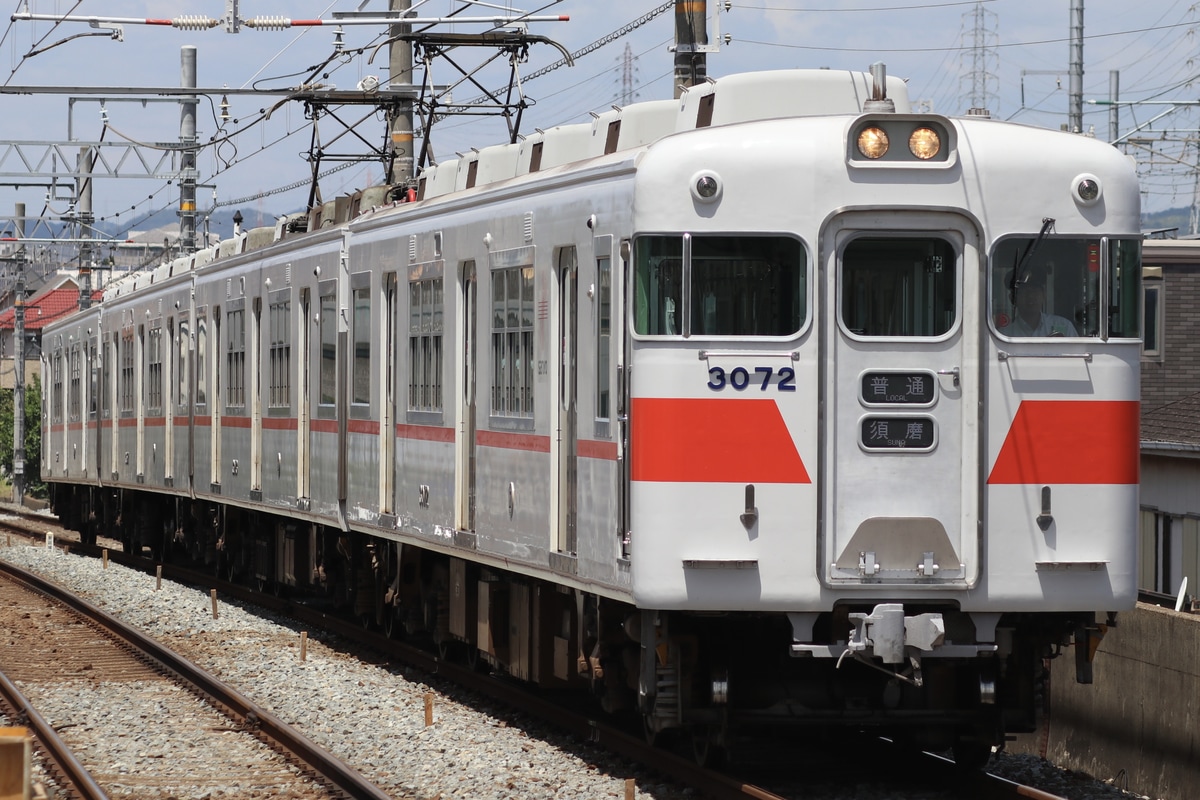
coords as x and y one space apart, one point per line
979 79
628 77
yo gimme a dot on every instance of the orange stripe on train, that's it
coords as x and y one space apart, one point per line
1070 441
712 441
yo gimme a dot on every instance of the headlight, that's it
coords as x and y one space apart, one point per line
924 143
873 142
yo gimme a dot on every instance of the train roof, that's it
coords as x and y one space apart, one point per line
736 98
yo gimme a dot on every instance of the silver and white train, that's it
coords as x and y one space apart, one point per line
776 405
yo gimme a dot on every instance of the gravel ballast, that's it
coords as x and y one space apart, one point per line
374 717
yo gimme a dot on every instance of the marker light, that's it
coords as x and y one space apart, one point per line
924 143
872 142
1088 190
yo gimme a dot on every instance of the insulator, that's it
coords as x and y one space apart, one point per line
269 23
194 23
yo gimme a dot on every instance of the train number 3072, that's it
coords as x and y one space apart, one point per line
741 378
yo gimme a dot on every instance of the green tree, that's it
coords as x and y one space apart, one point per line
34 486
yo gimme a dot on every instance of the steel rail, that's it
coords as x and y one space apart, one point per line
61 757
253 717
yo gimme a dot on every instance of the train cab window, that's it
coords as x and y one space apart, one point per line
1061 286
897 286
735 286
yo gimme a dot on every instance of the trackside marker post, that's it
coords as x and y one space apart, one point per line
213 595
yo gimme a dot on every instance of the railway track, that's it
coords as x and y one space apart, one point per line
125 689
949 782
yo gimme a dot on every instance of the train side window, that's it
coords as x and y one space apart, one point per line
425 344
106 363
201 359
735 285
182 367
360 372
328 371
279 319
56 412
154 371
235 358
603 336
75 405
512 342
127 373
897 286
1062 286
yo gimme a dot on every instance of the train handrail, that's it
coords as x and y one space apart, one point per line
704 355
1003 355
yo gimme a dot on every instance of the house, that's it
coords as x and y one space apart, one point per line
1170 428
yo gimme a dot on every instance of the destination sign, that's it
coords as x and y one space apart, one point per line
897 433
898 388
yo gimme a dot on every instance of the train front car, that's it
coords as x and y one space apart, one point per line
870 486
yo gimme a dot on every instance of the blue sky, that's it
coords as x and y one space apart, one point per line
929 43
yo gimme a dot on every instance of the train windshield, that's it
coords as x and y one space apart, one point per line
899 286
1062 287
719 285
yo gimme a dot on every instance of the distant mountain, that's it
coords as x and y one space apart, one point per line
1174 222
219 222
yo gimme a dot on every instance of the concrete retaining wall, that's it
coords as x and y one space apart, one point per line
1139 722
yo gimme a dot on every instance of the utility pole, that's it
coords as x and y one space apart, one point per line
1075 98
1114 97
19 366
400 74
187 166
86 218
691 35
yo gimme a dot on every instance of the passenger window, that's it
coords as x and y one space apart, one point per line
899 286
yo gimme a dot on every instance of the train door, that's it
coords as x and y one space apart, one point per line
567 434
215 370
139 401
168 402
901 497
465 457
387 406
304 420
255 391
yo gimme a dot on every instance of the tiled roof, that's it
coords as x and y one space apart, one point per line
44 309
1174 423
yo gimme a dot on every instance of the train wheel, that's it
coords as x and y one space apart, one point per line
390 625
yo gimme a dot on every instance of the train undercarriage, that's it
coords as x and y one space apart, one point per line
706 680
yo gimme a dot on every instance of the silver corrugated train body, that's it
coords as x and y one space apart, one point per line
776 405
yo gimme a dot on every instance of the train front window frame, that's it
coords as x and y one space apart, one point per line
1081 287
894 285
720 286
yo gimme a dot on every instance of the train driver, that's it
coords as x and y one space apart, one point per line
1028 293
